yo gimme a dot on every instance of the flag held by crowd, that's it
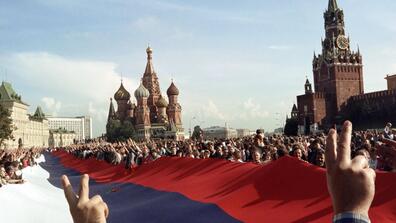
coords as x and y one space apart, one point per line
190 190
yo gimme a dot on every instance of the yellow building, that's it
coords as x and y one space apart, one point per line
31 130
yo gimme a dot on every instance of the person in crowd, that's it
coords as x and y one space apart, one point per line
313 150
388 132
297 152
320 158
257 157
3 176
13 161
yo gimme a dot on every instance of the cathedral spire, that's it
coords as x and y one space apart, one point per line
112 113
149 66
333 6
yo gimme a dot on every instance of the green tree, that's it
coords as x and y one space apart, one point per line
112 129
119 131
291 127
6 127
197 133
126 131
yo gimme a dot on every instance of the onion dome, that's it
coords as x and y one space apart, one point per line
172 90
142 92
162 103
122 94
149 50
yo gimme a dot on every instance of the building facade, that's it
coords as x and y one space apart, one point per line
61 137
391 82
217 132
30 130
81 126
152 116
337 78
243 133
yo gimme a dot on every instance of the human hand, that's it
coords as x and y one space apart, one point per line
351 183
83 209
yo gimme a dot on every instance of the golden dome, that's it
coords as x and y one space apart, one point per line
122 94
149 50
162 103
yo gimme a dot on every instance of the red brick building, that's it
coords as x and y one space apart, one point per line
338 78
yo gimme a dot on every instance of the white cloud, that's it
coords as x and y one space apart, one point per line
95 80
249 111
212 111
253 110
83 86
97 112
52 106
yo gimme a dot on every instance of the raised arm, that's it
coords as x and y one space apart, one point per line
83 209
350 181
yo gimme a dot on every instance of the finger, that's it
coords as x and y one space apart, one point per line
371 173
331 146
84 188
359 162
106 209
71 197
97 199
344 146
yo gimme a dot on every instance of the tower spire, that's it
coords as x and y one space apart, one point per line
112 113
149 66
333 6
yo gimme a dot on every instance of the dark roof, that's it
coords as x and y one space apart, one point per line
8 93
172 90
38 114
333 6
294 108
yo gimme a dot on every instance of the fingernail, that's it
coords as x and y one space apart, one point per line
347 123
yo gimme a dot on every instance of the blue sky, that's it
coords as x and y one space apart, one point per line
240 62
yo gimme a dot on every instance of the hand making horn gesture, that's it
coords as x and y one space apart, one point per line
350 181
83 209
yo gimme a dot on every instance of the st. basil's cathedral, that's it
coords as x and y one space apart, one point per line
152 116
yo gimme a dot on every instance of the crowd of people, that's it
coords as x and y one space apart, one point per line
378 147
258 148
369 151
350 159
13 161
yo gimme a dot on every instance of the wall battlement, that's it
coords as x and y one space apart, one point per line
374 95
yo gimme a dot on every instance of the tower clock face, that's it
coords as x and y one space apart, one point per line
342 42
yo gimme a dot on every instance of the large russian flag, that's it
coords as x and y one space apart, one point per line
193 190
